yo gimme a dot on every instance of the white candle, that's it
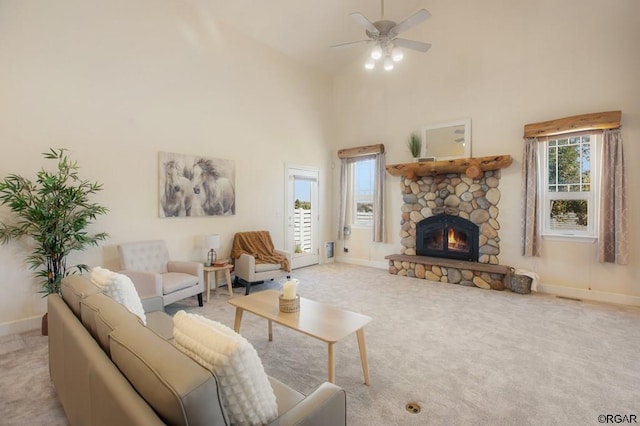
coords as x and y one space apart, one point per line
289 290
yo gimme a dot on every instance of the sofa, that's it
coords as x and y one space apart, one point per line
108 368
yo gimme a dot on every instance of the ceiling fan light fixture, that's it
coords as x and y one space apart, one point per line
397 54
370 64
376 52
383 35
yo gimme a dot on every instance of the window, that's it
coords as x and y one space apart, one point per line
570 167
363 173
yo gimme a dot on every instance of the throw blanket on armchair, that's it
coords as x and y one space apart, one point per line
259 245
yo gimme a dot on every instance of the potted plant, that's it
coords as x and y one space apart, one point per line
54 211
414 143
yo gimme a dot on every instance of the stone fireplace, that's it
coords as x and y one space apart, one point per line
450 229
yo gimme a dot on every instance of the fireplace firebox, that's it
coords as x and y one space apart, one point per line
446 236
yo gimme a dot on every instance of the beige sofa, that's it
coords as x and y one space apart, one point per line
108 368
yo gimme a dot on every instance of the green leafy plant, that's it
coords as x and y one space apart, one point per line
414 143
54 211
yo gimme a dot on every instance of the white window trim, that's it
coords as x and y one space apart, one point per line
591 234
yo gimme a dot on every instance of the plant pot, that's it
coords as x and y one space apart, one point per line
45 324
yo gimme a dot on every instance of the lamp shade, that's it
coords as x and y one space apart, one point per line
212 241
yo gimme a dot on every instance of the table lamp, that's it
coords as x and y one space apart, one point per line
212 242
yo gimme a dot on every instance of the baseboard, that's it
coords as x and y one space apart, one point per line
573 293
362 262
21 326
597 296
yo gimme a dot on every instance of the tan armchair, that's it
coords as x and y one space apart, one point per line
256 259
148 265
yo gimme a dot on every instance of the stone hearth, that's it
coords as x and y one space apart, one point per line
458 195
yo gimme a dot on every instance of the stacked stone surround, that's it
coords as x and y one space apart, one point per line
458 195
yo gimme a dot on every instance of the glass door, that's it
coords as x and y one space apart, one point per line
302 215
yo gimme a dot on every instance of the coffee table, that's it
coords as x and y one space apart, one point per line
324 322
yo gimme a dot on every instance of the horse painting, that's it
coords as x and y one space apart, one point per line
177 196
215 192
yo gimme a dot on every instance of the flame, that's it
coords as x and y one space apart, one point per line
451 238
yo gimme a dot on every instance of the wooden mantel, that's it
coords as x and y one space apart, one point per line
472 167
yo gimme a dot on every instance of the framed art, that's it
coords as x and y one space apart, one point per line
195 186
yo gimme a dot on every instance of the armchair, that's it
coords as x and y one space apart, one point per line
256 259
148 265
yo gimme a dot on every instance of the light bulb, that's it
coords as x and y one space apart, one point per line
388 64
396 54
376 52
370 64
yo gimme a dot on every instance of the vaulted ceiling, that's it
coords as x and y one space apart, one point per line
304 29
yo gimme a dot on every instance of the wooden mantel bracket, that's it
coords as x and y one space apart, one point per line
472 167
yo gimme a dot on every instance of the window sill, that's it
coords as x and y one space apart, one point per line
361 226
571 238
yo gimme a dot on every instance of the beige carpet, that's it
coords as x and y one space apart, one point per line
465 355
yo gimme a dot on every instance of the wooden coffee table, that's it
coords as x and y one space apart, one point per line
324 322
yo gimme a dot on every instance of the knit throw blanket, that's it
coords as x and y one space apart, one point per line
259 245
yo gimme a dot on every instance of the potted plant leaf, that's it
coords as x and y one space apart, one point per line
54 212
414 143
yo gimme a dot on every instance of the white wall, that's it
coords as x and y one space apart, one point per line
117 82
505 63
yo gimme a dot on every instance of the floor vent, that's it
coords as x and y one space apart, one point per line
413 407
569 298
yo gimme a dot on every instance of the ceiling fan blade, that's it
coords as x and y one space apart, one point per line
411 21
353 43
412 44
365 23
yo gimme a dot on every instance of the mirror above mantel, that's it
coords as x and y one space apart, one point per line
447 141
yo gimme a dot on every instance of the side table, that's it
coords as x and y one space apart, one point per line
215 269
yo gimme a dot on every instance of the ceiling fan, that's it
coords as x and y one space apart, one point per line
384 34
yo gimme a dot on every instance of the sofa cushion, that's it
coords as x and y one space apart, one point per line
120 288
287 398
161 324
147 256
174 281
100 315
75 288
265 267
179 390
246 391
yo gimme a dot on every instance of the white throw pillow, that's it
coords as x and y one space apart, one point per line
120 288
246 392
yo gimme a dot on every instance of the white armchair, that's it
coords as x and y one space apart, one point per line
148 265
257 260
